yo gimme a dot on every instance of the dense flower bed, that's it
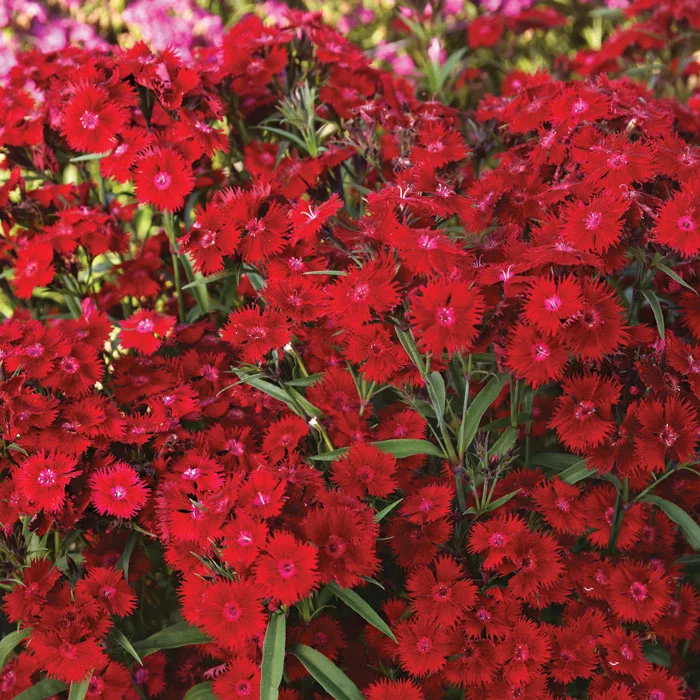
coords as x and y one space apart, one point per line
313 384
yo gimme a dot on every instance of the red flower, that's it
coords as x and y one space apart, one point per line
287 570
34 268
109 589
550 302
535 356
441 594
423 647
444 316
597 225
525 650
254 333
308 219
638 593
678 223
365 470
163 178
144 331
91 120
668 430
495 537
111 683
372 348
69 654
231 612
583 415
241 679
561 505
118 491
43 478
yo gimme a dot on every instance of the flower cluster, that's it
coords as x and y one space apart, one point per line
313 383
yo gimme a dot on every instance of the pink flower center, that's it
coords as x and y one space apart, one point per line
497 539
540 352
592 220
161 181
191 473
423 645
89 120
118 493
108 591
668 435
553 303
483 614
360 292
335 546
36 350
521 653
617 160
579 106
232 612
686 223
243 689
584 410
657 695
68 650
365 473
639 591
427 242
445 316
121 149
47 477
626 653
563 505
207 239
145 326
286 569
257 333
69 365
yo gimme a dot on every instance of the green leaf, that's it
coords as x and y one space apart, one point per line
178 635
504 443
675 276
475 411
276 392
329 456
89 156
201 691
656 654
362 608
273 657
688 526
42 690
495 505
558 461
409 447
326 673
656 308
380 515
8 644
78 691
409 345
576 472
436 390
125 557
121 639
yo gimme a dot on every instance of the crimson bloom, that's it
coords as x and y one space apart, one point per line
118 491
287 570
144 331
365 470
43 478
254 332
638 593
162 178
91 120
445 315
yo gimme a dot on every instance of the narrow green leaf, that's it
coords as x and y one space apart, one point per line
8 644
656 309
273 657
436 390
78 691
380 515
409 447
121 639
125 557
504 443
329 456
326 673
495 505
266 387
201 691
181 634
557 461
475 412
89 156
675 276
409 345
576 472
42 690
688 526
362 608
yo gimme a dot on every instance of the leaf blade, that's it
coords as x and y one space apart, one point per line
326 673
354 601
685 522
273 657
